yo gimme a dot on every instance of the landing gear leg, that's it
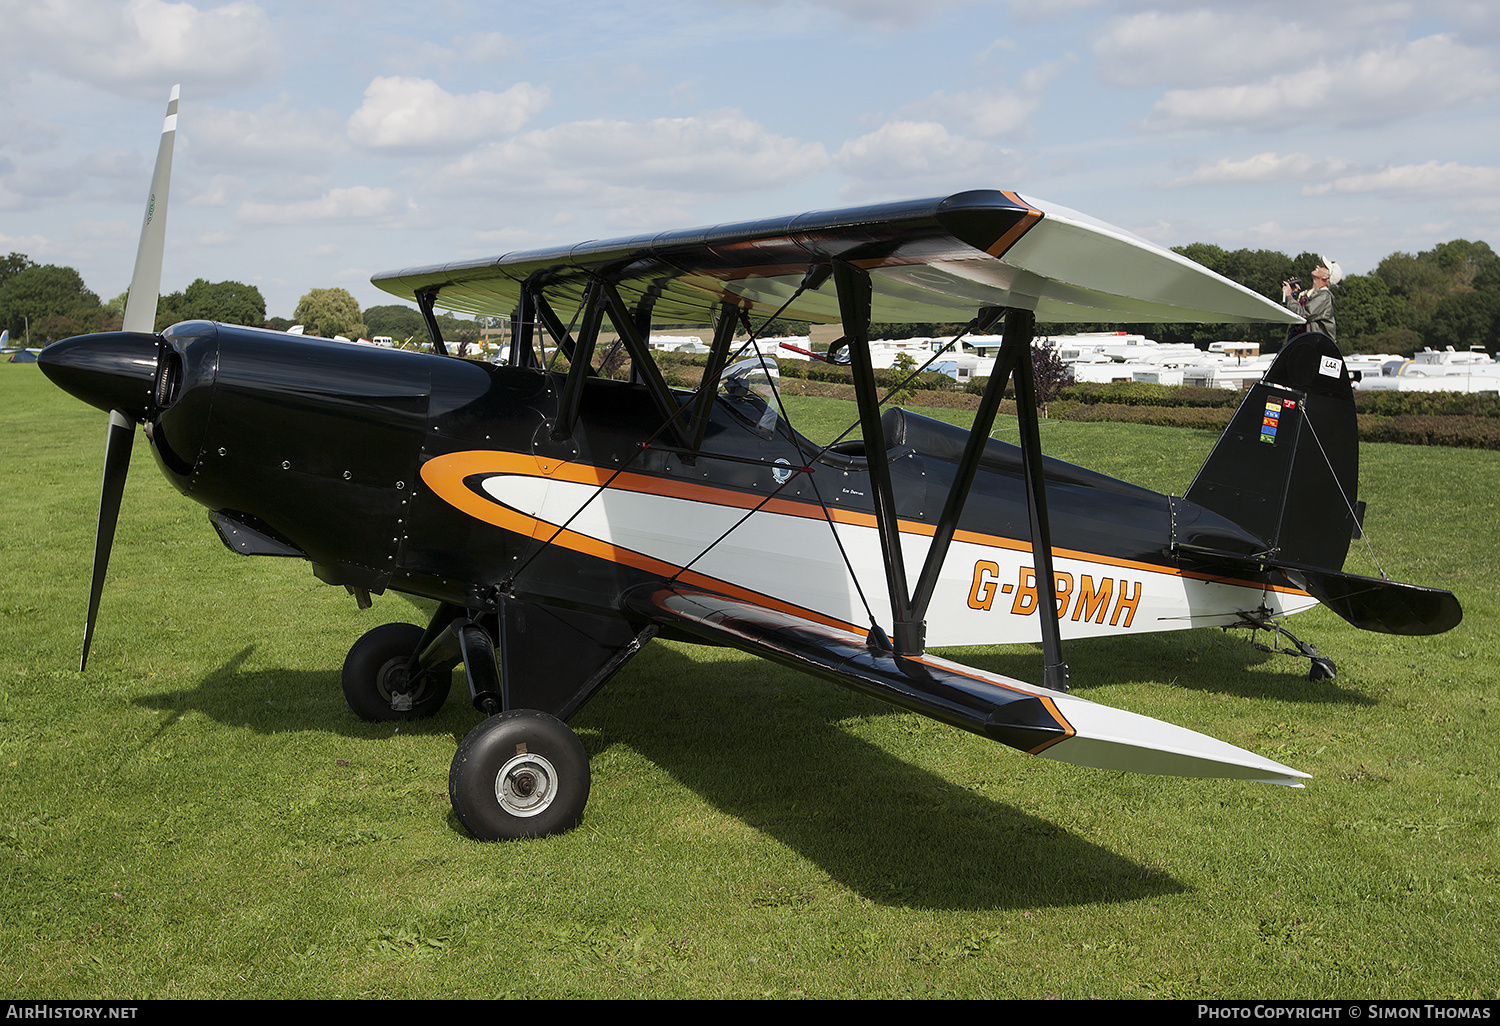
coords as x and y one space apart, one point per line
521 772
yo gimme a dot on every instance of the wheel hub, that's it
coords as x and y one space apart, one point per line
394 685
526 785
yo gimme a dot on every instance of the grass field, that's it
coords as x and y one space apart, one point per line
199 815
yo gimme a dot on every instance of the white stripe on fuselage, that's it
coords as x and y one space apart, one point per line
985 594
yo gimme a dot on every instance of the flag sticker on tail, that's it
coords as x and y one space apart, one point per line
1270 418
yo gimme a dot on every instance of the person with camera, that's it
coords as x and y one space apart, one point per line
1314 304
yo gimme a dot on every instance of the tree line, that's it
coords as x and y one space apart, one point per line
46 302
1446 296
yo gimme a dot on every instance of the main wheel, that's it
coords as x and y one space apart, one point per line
522 773
376 685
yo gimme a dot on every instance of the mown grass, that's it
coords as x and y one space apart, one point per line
199 815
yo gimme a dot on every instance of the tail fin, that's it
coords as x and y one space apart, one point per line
1287 467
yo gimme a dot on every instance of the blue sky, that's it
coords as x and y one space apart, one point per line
321 142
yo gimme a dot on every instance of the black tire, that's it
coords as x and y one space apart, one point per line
375 684
522 773
1322 669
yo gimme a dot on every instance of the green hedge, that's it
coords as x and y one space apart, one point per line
1443 404
815 370
1145 393
1204 418
1457 431
1385 404
1454 430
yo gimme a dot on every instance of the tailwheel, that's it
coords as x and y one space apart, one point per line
1322 667
522 773
377 685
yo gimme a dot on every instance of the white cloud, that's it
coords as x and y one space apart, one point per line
987 112
510 239
982 112
1161 231
273 136
1318 236
417 113
1263 168
474 48
603 161
1374 87
142 46
29 244
1203 46
1429 179
886 15
1479 205
220 191
107 174
25 134
911 158
899 149
356 203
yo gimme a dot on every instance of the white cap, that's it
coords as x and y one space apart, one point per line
1335 272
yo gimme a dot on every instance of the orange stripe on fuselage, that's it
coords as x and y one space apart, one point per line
445 475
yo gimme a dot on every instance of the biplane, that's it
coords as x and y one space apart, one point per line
561 518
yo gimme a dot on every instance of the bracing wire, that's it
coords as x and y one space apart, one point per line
511 578
752 342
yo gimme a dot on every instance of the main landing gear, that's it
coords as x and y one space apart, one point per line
379 684
522 772
519 774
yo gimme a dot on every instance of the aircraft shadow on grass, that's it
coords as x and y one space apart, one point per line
797 776
1202 660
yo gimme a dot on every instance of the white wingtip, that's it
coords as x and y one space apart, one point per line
1109 738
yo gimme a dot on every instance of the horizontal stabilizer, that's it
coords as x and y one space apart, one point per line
1389 607
1369 603
1024 716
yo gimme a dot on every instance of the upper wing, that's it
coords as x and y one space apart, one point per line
937 259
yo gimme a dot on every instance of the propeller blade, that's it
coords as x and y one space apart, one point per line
145 282
117 445
140 318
